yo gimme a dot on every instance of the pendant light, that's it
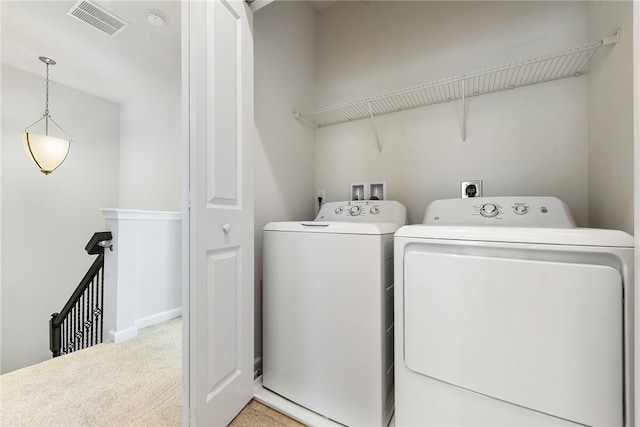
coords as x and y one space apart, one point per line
47 152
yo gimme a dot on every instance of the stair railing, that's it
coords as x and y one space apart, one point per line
79 324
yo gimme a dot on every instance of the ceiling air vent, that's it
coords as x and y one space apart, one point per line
97 17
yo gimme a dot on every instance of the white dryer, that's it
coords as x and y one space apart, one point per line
509 315
328 311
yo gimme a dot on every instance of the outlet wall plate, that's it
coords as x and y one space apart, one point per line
464 185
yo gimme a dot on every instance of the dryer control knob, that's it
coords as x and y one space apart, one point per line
338 210
520 209
354 211
374 210
489 210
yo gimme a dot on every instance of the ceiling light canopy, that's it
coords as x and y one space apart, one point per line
47 151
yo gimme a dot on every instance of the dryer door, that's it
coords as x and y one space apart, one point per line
541 334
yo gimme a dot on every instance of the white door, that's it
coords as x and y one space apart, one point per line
219 64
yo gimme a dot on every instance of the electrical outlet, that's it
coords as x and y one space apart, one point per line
320 194
472 188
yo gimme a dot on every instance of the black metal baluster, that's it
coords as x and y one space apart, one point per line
66 335
102 304
84 320
72 337
93 310
80 321
92 298
75 329
90 314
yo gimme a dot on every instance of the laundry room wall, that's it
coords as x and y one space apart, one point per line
48 220
528 141
611 120
284 45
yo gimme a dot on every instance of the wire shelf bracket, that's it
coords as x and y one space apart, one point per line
569 62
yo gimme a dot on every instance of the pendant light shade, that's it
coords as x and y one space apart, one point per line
47 151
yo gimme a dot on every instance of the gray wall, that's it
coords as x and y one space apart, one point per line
611 120
47 220
284 34
529 141
151 148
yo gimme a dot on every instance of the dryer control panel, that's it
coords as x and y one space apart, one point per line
500 211
363 211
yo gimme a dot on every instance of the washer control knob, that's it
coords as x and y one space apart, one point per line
354 210
374 210
520 209
338 210
489 210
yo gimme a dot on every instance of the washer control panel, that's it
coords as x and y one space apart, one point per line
500 211
363 211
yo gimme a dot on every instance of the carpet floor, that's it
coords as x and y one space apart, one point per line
136 383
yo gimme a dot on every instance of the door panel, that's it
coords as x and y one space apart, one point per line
223 320
221 230
544 335
222 96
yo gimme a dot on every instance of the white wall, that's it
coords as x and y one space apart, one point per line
611 119
47 220
143 271
284 46
151 153
530 141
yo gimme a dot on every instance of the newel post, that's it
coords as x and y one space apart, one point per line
54 336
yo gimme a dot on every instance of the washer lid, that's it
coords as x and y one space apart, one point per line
333 227
553 236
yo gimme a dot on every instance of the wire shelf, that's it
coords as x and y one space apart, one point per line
564 63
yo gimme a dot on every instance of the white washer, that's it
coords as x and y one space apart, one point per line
508 315
328 311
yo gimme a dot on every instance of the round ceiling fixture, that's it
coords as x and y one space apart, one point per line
154 18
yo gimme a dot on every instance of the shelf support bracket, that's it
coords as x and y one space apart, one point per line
375 128
615 38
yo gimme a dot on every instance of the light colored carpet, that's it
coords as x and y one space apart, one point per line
134 383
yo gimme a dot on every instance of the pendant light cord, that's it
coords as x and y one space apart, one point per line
46 115
46 106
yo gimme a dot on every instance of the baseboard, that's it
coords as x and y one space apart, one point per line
154 319
123 335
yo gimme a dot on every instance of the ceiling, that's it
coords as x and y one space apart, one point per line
142 57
